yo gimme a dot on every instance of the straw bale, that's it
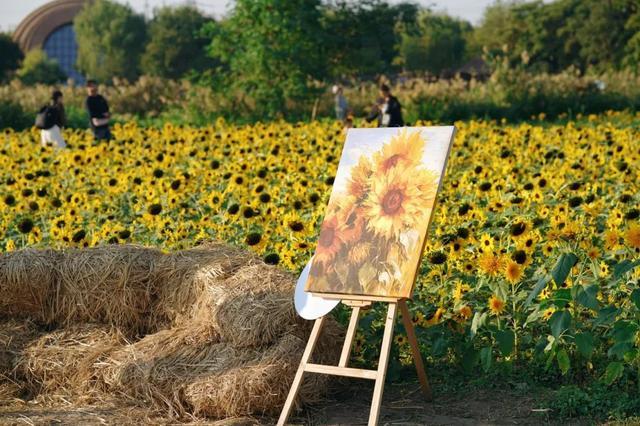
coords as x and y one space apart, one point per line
111 284
14 337
64 361
9 392
184 277
258 387
257 307
27 283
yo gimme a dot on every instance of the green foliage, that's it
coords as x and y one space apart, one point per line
11 56
556 35
597 402
361 37
111 39
270 53
38 68
13 116
176 43
436 43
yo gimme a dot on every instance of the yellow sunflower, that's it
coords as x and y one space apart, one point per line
496 305
397 202
404 150
513 272
632 236
465 312
611 239
490 264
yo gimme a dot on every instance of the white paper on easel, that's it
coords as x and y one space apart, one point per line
307 305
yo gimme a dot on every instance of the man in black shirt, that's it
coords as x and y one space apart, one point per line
387 110
98 110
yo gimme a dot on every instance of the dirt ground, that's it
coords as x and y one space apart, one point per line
347 405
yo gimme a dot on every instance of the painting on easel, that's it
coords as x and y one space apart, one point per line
376 222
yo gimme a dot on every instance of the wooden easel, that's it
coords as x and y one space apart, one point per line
343 369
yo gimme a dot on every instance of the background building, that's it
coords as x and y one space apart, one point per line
50 28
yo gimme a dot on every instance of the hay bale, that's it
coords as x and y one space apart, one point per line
14 337
184 277
111 285
256 308
258 387
63 362
28 279
154 370
10 392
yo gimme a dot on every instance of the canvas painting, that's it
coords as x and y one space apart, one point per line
376 222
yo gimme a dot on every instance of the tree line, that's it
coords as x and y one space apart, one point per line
265 54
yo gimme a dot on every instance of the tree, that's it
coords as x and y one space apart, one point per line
437 43
38 68
176 43
10 58
111 39
553 36
361 36
602 30
271 51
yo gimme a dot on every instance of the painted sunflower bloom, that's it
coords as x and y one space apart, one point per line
396 202
358 184
330 241
405 150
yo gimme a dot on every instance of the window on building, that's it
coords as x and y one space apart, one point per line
62 46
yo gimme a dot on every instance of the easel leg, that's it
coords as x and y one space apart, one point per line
382 364
297 380
415 349
348 340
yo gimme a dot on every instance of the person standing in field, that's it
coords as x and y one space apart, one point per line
98 110
54 119
387 110
341 104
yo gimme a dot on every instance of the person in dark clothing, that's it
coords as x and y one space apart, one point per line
387 110
53 135
98 110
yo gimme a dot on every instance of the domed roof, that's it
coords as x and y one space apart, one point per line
36 27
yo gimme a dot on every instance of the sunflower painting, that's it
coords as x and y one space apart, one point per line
371 239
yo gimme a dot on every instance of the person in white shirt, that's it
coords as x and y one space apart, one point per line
53 135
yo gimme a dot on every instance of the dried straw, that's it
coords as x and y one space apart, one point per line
258 387
27 283
232 348
257 307
110 285
63 362
183 278
10 392
14 337
154 369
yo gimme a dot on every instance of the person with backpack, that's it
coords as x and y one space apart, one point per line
98 110
50 120
387 109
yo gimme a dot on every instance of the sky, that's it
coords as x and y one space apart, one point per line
12 12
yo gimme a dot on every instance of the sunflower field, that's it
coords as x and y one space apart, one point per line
532 257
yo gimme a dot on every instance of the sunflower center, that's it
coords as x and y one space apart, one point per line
327 236
392 201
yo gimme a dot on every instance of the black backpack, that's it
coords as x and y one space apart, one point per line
46 117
